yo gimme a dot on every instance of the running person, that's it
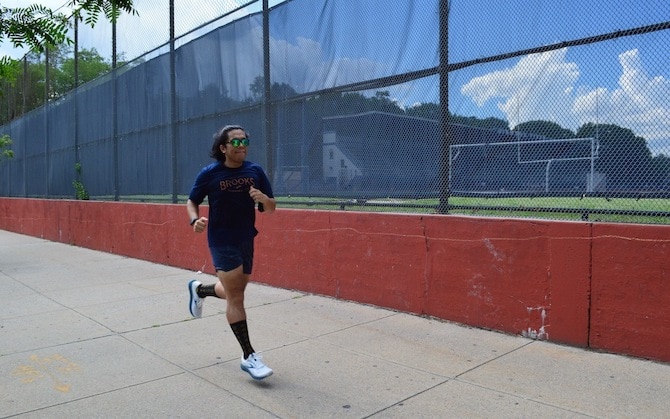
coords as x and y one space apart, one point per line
233 187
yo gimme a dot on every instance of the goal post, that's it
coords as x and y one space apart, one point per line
501 164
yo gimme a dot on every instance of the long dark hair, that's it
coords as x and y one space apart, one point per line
220 138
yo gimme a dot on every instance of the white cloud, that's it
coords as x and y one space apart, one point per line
539 86
641 103
303 65
544 87
307 69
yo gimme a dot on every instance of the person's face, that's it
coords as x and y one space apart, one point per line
235 155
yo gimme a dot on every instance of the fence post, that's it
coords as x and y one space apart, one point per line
267 96
445 136
75 99
173 110
115 116
47 82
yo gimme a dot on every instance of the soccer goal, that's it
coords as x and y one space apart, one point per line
529 166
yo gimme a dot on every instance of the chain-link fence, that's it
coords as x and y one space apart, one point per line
518 108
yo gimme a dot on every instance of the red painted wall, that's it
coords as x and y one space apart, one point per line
630 307
603 286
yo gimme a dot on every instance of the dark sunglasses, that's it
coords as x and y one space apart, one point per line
236 142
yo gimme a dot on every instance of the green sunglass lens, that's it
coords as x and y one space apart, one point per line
236 142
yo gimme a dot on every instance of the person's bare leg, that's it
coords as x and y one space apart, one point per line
231 287
235 282
219 290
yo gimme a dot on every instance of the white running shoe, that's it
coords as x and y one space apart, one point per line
255 367
195 305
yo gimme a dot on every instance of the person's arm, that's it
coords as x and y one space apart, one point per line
199 223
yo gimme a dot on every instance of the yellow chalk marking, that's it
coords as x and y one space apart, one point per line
51 367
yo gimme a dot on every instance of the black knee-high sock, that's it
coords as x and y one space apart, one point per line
242 334
206 291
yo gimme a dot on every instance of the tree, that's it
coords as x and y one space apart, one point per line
24 88
5 151
660 175
34 26
38 26
424 110
277 90
546 129
488 123
257 89
8 70
622 156
18 92
557 150
8 80
91 65
383 102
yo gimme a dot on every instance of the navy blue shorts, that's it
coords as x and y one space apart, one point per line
228 257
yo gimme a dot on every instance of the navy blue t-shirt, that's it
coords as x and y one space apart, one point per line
232 212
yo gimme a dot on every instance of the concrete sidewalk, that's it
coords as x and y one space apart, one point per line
90 334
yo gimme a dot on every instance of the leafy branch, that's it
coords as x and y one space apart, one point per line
5 150
79 188
37 26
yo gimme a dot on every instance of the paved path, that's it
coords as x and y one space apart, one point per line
89 334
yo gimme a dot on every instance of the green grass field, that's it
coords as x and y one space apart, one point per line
619 210
626 210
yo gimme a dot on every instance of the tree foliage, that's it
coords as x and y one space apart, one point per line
34 26
546 129
37 26
624 156
90 65
90 10
424 110
24 88
487 123
5 150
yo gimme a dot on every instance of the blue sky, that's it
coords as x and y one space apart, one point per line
624 81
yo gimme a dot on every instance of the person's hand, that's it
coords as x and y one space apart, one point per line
200 225
257 195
